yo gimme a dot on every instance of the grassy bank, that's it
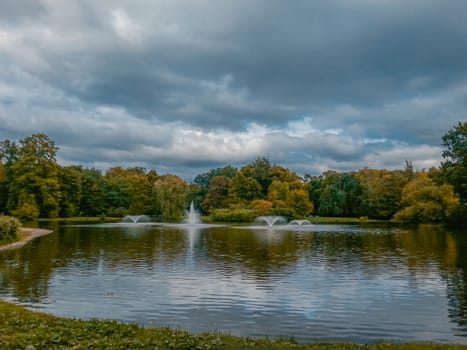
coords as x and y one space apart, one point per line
339 220
83 219
21 235
24 329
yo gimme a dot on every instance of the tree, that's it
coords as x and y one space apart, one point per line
424 201
340 195
71 189
35 175
93 199
259 170
244 189
202 182
381 191
170 195
3 188
454 167
298 200
217 194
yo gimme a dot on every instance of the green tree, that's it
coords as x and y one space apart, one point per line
340 195
93 201
71 189
315 187
3 188
139 190
259 170
244 189
35 174
217 194
170 194
202 182
116 189
454 167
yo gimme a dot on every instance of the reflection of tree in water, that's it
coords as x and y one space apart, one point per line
25 273
432 243
260 253
457 279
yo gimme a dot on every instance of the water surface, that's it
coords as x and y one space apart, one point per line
317 282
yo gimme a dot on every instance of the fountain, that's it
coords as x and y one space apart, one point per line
271 220
136 218
300 222
192 215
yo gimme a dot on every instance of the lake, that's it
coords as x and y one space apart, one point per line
360 283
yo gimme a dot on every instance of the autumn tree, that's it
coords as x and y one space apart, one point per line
128 190
381 191
200 186
424 201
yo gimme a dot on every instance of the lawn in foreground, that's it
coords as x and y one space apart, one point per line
24 329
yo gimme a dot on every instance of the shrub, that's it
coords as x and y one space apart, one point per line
119 212
458 216
233 215
9 227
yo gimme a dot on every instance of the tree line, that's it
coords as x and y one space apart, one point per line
33 184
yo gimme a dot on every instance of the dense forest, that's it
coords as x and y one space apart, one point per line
33 185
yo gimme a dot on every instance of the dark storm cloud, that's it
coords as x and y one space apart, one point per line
17 10
185 85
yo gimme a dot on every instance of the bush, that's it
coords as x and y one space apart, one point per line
27 212
233 215
117 212
9 227
458 216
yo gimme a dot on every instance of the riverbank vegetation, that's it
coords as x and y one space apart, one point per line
33 184
24 329
9 229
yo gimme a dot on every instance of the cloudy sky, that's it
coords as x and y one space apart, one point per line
184 86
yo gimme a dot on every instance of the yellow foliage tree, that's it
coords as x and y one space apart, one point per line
424 201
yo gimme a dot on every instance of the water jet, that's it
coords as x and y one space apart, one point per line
300 222
136 218
271 220
192 215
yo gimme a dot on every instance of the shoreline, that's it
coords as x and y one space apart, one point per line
30 234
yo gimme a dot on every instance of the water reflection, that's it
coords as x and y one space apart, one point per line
324 282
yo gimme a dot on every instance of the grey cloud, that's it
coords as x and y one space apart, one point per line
12 11
392 70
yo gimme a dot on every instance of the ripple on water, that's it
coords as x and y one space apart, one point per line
323 282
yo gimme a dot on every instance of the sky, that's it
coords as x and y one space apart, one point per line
185 86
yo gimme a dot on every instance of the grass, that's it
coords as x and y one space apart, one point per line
207 219
83 219
339 220
24 329
19 237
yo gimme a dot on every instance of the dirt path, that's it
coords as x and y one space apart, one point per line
30 234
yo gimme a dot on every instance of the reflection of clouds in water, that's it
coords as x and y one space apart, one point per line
219 292
313 285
